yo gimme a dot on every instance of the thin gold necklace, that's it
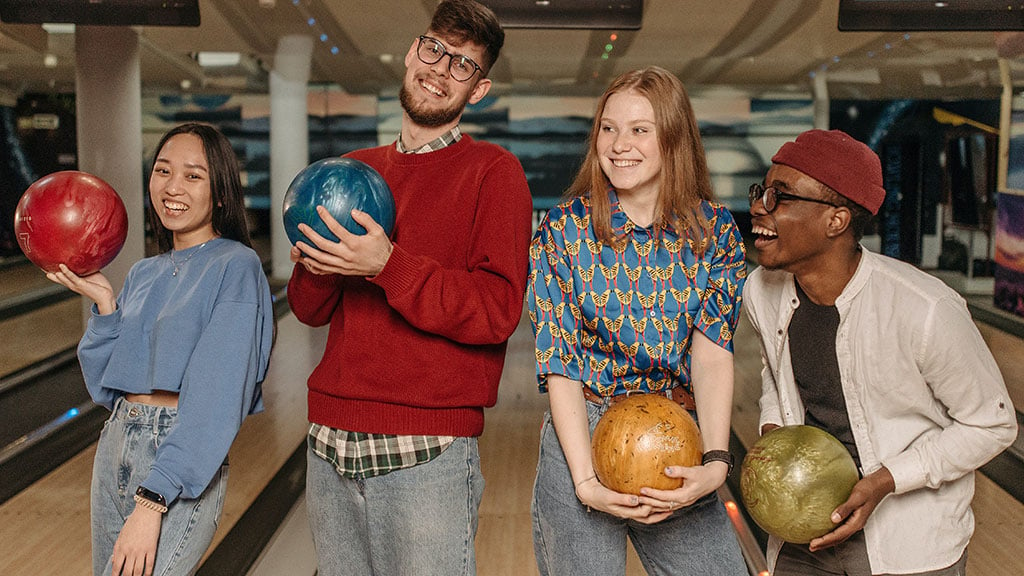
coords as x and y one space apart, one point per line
177 265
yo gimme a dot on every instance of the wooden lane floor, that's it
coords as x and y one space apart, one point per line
39 334
45 528
508 455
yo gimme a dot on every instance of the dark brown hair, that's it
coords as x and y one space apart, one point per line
464 21
226 191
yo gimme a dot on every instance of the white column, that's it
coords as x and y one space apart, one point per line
108 113
821 102
289 136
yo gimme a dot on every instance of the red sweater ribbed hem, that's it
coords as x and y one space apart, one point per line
365 416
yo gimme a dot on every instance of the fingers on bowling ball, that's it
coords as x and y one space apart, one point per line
792 480
73 218
337 185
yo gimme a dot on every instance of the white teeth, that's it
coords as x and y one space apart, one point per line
432 89
625 163
178 206
762 231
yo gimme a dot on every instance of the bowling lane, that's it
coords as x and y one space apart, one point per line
37 317
17 276
39 334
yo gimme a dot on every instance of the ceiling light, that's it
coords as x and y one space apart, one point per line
218 59
50 61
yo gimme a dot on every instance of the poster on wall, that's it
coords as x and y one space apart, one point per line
1009 273
1008 292
1012 164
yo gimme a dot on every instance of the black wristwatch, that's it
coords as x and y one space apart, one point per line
718 456
151 496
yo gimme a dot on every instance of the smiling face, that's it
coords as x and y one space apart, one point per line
179 189
795 236
627 145
429 95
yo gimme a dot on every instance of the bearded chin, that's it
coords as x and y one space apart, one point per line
427 118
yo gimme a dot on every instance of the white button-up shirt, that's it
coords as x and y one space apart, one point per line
924 395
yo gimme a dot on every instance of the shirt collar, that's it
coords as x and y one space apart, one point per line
448 138
621 224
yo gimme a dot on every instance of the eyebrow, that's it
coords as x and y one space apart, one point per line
450 48
187 165
630 122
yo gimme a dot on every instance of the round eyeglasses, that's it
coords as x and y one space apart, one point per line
431 51
770 197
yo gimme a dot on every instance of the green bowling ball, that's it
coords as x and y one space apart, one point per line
793 478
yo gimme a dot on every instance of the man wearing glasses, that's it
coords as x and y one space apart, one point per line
881 355
418 323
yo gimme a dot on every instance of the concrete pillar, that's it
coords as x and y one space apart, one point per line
289 136
108 113
822 106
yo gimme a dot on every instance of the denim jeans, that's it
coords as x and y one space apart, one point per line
415 521
568 539
124 455
848 558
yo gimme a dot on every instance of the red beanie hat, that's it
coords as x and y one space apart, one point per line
835 159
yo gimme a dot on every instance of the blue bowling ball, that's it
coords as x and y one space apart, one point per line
340 185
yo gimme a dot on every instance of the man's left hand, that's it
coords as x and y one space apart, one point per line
853 514
352 254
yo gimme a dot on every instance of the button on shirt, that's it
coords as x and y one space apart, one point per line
620 320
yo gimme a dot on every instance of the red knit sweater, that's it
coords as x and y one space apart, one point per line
419 348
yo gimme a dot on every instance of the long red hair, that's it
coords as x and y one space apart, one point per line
685 180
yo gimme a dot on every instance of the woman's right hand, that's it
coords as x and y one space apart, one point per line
596 496
95 286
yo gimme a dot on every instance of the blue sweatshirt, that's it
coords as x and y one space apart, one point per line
206 334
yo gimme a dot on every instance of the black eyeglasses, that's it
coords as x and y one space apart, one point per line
770 197
431 51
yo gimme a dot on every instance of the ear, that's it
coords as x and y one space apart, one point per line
838 222
480 90
411 54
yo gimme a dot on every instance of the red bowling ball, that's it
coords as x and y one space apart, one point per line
71 218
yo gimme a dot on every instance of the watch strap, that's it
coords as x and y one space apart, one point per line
719 456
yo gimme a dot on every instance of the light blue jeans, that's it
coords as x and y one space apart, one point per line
415 521
698 540
125 452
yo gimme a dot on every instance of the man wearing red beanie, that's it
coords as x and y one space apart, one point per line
876 352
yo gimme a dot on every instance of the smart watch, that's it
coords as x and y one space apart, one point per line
149 499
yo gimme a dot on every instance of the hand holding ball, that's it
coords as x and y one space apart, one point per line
71 218
339 185
638 437
792 479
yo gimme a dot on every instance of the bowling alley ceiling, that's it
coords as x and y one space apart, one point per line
754 47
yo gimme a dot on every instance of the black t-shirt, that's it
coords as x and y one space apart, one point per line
812 348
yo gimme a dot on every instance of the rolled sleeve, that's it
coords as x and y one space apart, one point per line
553 311
726 273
